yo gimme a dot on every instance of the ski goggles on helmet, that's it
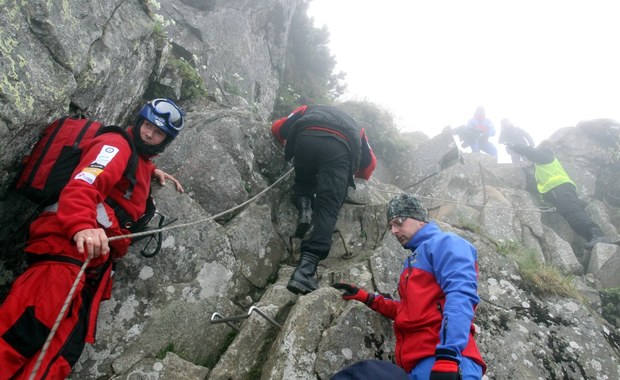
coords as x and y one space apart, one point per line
166 115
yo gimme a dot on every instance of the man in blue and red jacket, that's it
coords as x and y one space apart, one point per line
329 149
433 321
477 132
75 229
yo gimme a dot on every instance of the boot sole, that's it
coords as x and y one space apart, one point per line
298 288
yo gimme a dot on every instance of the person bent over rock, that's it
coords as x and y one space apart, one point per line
328 149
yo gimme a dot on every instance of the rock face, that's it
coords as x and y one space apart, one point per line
158 324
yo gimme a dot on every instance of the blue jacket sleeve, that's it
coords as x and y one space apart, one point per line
454 266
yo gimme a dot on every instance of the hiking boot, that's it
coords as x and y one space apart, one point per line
304 220
303 280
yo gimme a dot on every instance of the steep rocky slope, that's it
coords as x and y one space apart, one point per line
158 324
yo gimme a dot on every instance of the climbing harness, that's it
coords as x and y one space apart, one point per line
157 237
217 318
163 227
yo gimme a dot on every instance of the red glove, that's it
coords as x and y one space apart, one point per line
352 292
444 369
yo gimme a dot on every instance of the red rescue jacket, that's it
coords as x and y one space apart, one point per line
81 206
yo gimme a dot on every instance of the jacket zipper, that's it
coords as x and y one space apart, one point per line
445 323
409 269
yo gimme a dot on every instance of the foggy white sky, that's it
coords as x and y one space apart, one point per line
543 64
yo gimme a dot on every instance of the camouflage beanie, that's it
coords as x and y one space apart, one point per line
406 205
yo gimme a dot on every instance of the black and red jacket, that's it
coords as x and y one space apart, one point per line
337 123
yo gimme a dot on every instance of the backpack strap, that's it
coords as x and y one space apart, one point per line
80 136
132 164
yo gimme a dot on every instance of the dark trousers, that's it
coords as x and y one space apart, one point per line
567 203
322 168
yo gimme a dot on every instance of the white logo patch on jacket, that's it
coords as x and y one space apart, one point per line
90 173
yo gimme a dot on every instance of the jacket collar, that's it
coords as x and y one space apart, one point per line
423 234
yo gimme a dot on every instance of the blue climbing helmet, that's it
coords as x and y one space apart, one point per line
164 114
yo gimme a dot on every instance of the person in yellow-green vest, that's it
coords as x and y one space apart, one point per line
556 187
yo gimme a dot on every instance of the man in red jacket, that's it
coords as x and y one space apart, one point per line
75 228
329 148
433 320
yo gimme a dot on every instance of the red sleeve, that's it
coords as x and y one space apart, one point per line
100 169
385 307
275 130
280 130
368 161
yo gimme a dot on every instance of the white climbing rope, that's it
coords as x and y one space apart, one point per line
69 298
152 232
61 315
539 209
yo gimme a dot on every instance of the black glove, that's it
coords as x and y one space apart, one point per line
352 292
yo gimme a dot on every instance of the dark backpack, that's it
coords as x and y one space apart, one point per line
48 167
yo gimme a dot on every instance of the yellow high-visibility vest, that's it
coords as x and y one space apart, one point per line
550 175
